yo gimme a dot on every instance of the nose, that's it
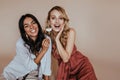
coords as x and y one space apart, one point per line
57 20
31 26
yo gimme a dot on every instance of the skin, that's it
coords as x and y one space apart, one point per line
31 29
57 23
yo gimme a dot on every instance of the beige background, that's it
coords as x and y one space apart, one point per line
97 23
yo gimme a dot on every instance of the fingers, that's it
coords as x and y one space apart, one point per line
59 34
45 43
61 29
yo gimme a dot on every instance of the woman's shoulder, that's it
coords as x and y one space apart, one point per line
72 31
20 42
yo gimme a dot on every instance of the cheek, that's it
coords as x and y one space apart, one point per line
51 22
36 27
27 31
62 22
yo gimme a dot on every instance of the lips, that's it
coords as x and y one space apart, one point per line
57 26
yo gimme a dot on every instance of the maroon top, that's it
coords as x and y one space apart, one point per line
77 68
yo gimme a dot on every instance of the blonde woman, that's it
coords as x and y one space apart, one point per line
72 64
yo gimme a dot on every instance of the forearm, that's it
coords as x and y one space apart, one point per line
39 56
46 77
45 45
62 52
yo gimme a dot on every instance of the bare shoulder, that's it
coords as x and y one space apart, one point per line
72 31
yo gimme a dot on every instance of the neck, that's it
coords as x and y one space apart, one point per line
33 38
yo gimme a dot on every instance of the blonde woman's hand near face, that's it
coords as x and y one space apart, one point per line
60 32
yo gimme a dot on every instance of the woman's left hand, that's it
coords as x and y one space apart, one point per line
45 44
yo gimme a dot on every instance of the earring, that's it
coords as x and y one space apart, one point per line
26 36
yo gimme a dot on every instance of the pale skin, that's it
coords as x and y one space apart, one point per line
57 24
31 29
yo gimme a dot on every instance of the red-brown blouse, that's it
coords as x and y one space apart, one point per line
77 68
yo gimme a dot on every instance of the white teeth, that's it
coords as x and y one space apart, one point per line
57 25
33 30
48 29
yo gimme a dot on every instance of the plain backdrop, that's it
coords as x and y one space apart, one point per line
97 24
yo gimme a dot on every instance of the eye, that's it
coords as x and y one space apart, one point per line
61 18
52 18
25 26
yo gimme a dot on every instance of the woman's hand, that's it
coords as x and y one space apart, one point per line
45 44
60 32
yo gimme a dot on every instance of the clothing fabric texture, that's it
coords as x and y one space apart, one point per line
33 75
23 62
77 68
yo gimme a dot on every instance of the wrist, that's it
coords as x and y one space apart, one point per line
43 50
57 39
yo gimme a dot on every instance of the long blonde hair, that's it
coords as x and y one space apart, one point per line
52 34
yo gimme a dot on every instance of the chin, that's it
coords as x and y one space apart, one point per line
56 30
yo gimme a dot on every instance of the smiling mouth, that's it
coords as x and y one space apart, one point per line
57 26
32 30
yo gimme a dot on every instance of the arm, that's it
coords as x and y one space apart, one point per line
23 60
45 45
46 63
46 77
66 53
24 57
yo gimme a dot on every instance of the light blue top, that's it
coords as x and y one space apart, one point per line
23 62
